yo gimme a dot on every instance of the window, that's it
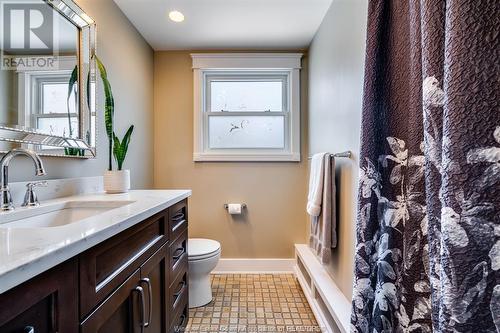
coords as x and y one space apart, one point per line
53 109
246 111
247 107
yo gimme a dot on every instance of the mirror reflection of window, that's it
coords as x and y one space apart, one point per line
56 105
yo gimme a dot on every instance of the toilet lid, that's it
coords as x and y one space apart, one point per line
201 248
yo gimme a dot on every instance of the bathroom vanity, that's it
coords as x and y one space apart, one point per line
115 264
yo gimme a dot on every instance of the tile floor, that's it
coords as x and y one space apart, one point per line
254 303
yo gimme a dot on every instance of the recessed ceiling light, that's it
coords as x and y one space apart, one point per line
176 16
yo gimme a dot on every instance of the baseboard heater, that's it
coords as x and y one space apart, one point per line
329 305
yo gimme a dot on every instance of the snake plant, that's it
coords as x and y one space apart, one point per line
120 148
71 88
109 109
117 148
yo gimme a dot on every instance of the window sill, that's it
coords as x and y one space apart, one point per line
218 157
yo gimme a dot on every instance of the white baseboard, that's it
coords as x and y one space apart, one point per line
254 266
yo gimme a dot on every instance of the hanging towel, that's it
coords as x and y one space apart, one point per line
316 184
323 234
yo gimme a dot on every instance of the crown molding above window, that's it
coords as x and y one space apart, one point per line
247 60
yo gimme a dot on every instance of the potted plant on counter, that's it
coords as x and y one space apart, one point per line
115 181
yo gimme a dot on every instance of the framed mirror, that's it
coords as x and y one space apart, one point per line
47 78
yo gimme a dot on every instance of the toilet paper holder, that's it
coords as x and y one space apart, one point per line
242 206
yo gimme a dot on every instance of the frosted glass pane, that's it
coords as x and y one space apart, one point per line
55 98
246 96
246 132
57 126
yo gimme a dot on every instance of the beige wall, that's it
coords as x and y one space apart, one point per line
274 192
336 59
129 62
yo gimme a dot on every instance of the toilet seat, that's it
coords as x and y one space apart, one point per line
201 248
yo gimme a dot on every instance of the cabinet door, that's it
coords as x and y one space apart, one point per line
123 311
47 303
154 280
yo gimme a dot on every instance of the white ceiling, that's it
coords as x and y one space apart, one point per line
227 24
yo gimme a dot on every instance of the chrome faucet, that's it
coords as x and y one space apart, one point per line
5 197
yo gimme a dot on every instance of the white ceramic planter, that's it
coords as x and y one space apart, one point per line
117 181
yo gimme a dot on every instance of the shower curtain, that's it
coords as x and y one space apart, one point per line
428 226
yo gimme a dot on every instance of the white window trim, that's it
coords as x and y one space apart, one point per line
286 64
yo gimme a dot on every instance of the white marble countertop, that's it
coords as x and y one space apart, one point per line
27 252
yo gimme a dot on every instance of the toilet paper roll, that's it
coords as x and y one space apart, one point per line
234 209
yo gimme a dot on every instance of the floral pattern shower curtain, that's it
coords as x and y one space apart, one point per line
428 229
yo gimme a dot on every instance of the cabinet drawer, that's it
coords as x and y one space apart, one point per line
106 266
178 219
178 256
177 292
180 318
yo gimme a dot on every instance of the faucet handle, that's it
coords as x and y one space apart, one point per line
30 198
42 183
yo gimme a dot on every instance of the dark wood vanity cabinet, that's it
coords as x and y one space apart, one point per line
136 281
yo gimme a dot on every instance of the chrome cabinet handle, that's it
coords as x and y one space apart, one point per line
29 329
178 294
177 217
183 284
180 251
178 223
181 323
147 281
139 290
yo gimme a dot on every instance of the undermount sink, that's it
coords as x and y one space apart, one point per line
57 215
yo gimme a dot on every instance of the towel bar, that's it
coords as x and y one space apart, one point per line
347 154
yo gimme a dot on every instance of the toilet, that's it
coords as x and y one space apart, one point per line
203 256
